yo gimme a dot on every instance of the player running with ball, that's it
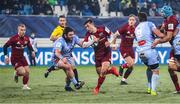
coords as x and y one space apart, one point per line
102 51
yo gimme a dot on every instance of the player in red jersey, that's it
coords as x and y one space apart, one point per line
102 51
18 42
168 26
127 35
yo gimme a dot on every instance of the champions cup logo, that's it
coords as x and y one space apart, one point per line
86 56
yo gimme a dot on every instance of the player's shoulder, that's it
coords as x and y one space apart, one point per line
59 40
75 37
26 37
14 36
103 29
59 28
172 18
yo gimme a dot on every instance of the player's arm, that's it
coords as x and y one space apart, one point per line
169 34
58 54
5 47
54 36
30 48
87 43
111 41
158 33
58 48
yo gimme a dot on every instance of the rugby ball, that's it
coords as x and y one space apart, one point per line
90 38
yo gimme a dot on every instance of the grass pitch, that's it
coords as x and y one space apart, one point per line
51 89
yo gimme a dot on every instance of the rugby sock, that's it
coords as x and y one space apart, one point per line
174 78
17 74
76 74
113 71
25 79
124 65
100 81
68 82
128 72
149 76
51 68
73 80
154 81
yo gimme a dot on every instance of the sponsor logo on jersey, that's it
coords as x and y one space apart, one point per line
170 26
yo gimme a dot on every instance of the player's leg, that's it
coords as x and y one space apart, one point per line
26 78
100 80
69 72
106 69
73 66
154 78
130 62
20 71
149 76
51 68
72 62
126 53
172 67
18 66
153 62
67 86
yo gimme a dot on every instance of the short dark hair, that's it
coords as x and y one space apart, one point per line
62 16
67 30
142 16
88 21
21 25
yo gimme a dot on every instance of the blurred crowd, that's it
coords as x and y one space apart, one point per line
86 7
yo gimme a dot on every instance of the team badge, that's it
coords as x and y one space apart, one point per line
25 42
170 26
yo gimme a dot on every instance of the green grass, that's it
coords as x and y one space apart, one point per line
51 90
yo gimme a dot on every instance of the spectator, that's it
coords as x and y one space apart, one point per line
73 10
113 6
33 42
153 11
145 9
47 10
131 10
37 8
94 6
27 9
52 2
86 11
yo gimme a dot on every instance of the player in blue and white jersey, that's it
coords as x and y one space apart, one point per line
62 55
149 56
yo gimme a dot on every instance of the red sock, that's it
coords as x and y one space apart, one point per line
100 81
175 81
124 65
109 71
17 74
25 79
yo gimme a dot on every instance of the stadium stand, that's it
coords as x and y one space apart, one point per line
85 7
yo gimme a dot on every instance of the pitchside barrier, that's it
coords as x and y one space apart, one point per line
85 56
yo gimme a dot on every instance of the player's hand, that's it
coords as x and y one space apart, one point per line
107 44
96 39
156 41
64 60
33 54
6 59
113 46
